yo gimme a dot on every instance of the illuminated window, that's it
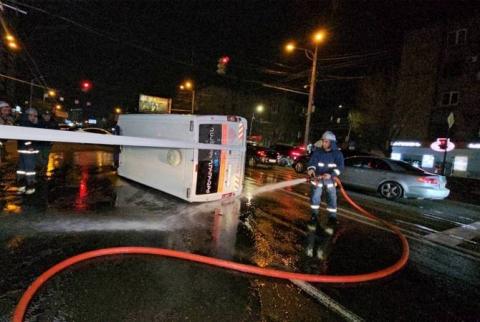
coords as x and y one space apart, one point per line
450 98
460 163
396 156
428 161
457 37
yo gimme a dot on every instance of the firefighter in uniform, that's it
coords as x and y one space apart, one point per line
325 164
27 151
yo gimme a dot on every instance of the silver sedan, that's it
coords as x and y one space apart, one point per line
393 179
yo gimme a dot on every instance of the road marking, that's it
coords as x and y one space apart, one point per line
409 234
457 235
327 301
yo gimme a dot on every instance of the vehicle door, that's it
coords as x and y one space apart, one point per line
375 171
352 174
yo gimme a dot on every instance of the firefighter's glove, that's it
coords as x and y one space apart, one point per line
311 173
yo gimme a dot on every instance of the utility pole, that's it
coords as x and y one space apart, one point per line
311 93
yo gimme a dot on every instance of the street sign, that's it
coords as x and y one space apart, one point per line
450 120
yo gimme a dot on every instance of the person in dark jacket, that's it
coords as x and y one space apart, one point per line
27 151
5 119
47 121
325 164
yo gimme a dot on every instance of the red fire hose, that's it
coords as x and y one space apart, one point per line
22 305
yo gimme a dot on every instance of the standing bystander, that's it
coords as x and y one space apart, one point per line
27 151
6 118
47 121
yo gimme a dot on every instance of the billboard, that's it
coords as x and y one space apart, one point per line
154 104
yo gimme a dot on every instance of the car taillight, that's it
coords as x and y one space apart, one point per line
261 153
295 154
428 180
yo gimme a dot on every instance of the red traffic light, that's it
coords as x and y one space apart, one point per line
222 65
225 59
86 86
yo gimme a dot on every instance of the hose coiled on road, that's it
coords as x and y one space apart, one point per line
22 305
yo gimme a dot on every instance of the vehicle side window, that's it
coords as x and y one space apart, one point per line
380 165
375 164
353 162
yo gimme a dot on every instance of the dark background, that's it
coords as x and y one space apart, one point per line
130 47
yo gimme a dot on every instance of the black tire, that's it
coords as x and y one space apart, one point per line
299 167
391 190
252 162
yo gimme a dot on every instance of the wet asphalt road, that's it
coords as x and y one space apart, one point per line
82 205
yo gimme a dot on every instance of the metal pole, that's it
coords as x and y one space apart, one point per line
445 153
311 93
31 93
193 101
251 123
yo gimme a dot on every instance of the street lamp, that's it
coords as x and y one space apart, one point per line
188 85
58 107
258 109
118 110
318 37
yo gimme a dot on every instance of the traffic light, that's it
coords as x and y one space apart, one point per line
86 85
222 65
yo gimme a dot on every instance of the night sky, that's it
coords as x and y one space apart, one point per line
131 47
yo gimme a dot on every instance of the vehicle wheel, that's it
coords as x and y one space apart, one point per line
252 162
299 167
391 190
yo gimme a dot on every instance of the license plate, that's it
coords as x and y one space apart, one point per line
272 160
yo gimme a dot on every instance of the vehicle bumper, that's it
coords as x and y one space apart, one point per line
427 193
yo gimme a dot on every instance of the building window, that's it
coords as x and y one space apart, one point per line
450 98
457 37
453 69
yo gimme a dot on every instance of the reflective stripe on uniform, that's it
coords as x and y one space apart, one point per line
20 172
332 209
28 151
332 165
30 173
28 143
330 185
321 164
337 172
315 206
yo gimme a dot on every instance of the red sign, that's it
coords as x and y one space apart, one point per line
442 144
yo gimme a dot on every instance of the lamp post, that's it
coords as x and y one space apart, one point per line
259 109
188 85
318 37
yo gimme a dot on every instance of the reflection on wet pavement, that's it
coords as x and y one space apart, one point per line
82 205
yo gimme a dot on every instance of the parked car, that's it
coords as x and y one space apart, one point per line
287 154
300 164
393 179
260 155
95 130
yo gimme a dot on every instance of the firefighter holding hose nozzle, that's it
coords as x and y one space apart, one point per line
325 164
